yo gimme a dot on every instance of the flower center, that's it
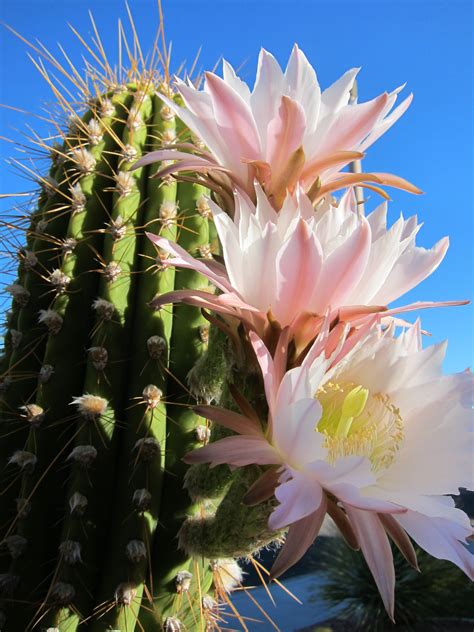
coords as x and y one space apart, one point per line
357 422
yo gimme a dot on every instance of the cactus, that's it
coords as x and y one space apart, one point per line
102 524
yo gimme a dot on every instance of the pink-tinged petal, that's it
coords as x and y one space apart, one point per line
267 91
170 154
342 523
238 451
298 497
355 337
318 165
387 123
193 163
205 300
441 538
352 124
400 538
298 266
294 433
343 181
337 95
184 260
234 81
284 134
353 470
265 362
300 537
343 269
302 85
423 305
230 419
391 180
280 355
413 267
377 552
263 488
234 118
350 495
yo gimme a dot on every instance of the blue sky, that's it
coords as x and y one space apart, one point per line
426 44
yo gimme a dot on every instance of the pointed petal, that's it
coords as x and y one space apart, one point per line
343 524
300 537
298 497
284 134
377 552
263 488
184 260
298 265
229 419
236 450
400 538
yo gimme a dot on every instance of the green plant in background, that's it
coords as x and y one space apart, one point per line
439 591
95 405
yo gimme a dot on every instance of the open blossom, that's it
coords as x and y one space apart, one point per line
297 264
284 132
377 441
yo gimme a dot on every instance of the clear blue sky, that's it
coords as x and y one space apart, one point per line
427 44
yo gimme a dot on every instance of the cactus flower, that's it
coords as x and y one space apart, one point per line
302 262
284 132
377 441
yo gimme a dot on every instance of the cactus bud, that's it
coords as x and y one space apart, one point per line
141 499
94 132
34 414
204 334
28 259
228 572
51 319
23 507
167 213
59 280
147 448
203 208
172 624
135 551
203 434
49 185
45 373
91 407
112 271
16 338
41 226
117 228
135 119
99 357
84 160
205 251
24 460
78 199
166 113
70 552
125 594
156 346
15 545
129 153
83 455
104 309
77 504
152 395
168 137
68 245
183 581
62 593
20 295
